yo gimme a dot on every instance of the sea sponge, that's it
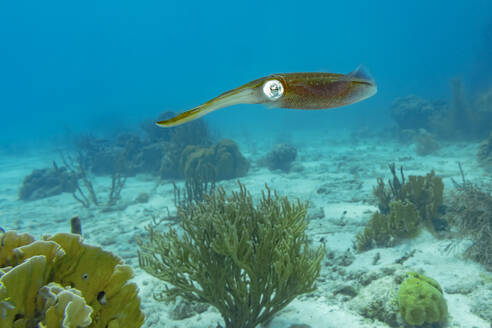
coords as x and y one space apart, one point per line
99 294
421 300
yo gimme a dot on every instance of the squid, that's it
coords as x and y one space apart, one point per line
289 90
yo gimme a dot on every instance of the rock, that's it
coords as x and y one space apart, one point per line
378 301
184 309
345 289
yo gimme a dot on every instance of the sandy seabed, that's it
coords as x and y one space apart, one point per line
345 168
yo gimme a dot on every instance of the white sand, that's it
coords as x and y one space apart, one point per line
346 170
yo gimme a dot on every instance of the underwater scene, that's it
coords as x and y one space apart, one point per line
242 164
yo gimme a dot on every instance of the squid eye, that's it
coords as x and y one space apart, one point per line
273 89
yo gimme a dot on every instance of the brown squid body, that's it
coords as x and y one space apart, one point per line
290 90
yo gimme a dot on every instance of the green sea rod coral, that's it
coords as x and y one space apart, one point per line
247 261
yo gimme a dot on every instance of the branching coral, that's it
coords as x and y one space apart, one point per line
404 204
247 261
425 192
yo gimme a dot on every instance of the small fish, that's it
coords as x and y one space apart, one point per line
289 90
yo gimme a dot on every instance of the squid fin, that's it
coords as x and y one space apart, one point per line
361 73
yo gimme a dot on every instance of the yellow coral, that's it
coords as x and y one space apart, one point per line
99 294
65 307
19 290
9 241
102 279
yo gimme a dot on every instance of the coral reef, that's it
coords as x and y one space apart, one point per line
47 182
382 230
157 153
218 162
34 273
460 119
280 157
413 112
403 207
425 192
247 261
421 300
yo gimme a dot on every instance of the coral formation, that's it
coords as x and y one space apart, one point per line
85 193
403 207
218 162
65 307
247 261
34 273
421 300
158 152
280 157
413 112
460 119
47 182
425 192
385 230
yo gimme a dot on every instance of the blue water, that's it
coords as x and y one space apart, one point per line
106 65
